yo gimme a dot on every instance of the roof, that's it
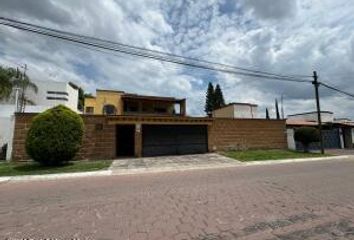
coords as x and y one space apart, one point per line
299 122
146 97
238 103
108 90
305 113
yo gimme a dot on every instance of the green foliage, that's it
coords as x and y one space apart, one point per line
55 136
6 82
277 109
214 99
267 114
219 97
307 135
210 99
81 101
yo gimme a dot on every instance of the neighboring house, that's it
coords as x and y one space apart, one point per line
111 102
236 110
337 133
50 94
121 124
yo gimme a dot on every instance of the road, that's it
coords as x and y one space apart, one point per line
312 200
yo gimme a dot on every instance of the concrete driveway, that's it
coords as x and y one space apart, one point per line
295 201
172 163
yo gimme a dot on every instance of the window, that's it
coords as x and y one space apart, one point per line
57 93
89 110
109 109
57 98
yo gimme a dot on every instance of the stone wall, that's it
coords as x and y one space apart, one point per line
98 142
239 134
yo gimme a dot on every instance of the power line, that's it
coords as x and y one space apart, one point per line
147 54
150 50
336 89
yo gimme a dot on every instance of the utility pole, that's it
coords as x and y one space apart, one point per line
316 85
22 100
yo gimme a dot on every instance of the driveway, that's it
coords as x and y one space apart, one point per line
309 200
172 163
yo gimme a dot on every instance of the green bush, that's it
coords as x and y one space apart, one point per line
55 136
307 135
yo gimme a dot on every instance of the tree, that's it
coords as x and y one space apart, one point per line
267 114
219 97
55 136
307 135
24 83
11 78
210 100
81 100
277 109
7 76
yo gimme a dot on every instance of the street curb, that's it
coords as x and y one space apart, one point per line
292 160
112 172
55 176
173 169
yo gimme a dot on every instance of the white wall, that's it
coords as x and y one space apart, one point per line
245 111
290 138
51 93
325 117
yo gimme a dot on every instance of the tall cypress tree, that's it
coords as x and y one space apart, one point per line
267 114
210 99
219 97
277 109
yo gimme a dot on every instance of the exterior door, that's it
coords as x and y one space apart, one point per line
161 140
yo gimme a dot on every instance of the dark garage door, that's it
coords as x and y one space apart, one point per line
174 140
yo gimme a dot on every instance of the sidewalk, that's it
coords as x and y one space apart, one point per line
166 164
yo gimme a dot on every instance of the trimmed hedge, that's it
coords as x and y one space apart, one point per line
55 136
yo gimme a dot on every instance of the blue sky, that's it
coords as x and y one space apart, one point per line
283 36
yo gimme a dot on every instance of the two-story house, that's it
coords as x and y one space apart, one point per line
111 102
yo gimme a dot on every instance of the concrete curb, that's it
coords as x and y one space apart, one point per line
293 160
174 169
55 176
110 171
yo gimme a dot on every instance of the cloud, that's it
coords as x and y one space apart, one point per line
281 36
272 9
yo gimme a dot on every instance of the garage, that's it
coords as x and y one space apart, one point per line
161 140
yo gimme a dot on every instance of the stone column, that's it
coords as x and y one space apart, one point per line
138 148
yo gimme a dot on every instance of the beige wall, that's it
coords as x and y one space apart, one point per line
226 112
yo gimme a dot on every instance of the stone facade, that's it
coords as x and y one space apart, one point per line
99 141
240 134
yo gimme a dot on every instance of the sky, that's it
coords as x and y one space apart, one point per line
292 37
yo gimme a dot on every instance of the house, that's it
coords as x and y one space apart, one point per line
112 102
50 94
121 124
337 133
236 110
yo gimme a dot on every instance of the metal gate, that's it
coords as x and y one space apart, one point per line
161 140
331 139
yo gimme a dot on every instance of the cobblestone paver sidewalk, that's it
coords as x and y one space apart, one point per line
185 162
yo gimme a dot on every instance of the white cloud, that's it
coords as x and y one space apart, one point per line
284 36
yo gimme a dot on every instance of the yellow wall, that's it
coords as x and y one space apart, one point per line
103 98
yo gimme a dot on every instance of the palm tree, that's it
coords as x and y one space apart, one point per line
11 78
24 83
7 76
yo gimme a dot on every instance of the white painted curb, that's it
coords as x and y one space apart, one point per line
54 176
293 160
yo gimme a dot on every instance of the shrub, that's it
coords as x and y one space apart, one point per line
55 136
307 135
